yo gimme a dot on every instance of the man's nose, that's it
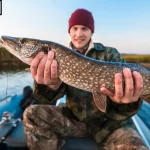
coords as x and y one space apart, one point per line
79 33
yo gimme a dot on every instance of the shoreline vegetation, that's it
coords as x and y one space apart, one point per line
9 61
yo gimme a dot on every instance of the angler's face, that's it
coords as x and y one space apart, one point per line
80 36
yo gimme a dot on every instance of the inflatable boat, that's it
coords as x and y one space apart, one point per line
12 132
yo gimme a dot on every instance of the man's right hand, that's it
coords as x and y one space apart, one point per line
44 70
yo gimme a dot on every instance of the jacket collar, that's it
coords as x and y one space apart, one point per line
92 45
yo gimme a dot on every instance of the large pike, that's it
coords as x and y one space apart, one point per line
75 69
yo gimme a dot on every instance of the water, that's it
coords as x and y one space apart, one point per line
13 82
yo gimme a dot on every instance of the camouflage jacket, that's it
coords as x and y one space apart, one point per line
81 102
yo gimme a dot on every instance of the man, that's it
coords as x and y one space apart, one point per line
47 125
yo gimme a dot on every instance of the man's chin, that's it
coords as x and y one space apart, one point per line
80 47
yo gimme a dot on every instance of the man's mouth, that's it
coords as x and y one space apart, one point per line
79 40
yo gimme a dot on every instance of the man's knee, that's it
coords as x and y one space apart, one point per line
28 110
125 138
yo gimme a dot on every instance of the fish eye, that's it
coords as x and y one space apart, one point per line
22 41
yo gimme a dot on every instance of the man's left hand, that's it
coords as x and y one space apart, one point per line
132 91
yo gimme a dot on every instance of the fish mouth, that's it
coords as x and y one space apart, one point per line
1 42
8 39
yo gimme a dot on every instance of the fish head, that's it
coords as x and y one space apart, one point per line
23 48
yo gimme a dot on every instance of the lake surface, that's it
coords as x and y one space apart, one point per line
13 82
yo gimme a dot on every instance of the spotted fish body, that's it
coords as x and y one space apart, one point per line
76 69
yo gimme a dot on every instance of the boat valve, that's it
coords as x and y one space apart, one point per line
7 116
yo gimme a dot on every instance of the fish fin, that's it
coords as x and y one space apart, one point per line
100 101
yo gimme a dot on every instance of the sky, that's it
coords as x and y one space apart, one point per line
123 24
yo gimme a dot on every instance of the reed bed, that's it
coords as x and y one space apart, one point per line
9 61
133 58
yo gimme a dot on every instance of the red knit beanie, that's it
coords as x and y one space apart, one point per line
82 17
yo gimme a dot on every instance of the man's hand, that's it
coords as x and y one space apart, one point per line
133 87
44 70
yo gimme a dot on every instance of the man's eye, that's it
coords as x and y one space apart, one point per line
74 29
84 29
